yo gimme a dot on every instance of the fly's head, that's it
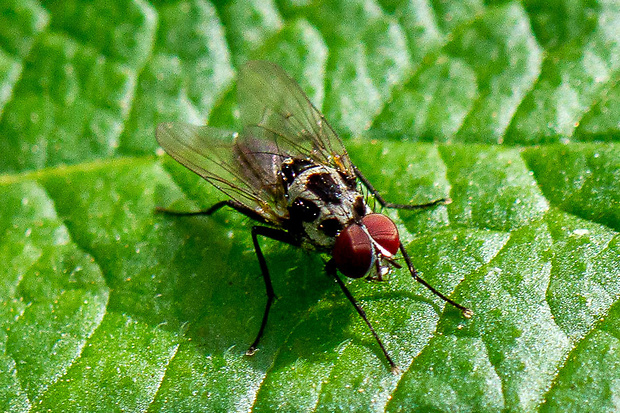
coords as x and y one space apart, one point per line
367 246
321 203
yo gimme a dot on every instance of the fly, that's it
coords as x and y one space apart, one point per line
289 171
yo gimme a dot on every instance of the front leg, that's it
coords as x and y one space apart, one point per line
330 268
385 204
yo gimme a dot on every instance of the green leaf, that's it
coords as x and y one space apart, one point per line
508 108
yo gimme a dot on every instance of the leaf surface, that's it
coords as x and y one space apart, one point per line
509 108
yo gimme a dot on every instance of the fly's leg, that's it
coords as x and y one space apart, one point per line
237 206
273 233
331 270
278 235
467 313
385 204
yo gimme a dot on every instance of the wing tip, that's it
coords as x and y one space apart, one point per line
262 66
258 63
162 128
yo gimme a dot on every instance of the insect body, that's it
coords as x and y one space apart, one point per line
321 204
288 170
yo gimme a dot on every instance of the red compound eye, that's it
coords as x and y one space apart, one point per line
353 252
383 231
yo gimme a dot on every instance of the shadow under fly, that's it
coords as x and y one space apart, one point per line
289 171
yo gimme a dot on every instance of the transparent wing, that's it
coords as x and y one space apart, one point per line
272 102
279 122
246 171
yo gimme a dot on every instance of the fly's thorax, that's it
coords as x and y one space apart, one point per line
321 202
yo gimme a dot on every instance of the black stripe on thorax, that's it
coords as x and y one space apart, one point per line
324 187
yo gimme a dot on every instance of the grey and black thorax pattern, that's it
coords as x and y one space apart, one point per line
321 201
